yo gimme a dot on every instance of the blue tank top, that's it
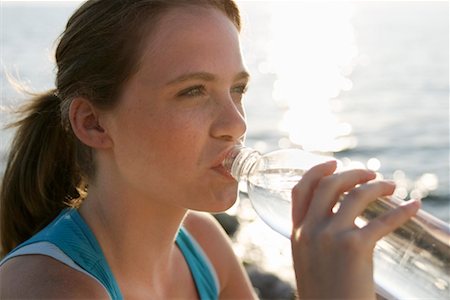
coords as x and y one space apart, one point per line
69 240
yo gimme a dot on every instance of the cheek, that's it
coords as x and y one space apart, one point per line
164 140
160 127
158 142
180 133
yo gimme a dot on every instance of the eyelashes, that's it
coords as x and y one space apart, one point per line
200 90
194 91
240 89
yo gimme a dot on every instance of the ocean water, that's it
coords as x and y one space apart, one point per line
366 81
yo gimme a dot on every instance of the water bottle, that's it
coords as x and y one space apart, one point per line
413 262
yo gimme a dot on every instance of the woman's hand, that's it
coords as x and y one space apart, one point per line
333 257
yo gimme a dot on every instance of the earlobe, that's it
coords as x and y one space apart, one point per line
86 125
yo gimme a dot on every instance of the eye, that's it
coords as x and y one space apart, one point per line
240 89
193 91
238 92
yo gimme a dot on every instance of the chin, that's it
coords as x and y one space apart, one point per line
219 203
224 206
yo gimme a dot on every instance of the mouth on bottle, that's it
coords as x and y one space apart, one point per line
231 156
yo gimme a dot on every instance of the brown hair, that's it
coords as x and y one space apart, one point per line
48 166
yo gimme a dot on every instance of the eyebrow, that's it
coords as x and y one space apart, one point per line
205 76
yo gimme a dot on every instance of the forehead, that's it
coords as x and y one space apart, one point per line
189 39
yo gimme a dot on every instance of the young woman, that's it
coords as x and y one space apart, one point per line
110 174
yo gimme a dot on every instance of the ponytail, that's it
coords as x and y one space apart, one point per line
41 177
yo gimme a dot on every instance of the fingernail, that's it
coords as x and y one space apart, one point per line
371 173
416 202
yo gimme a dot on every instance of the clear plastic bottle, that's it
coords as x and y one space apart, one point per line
413 262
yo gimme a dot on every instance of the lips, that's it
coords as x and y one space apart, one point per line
218 165
222 171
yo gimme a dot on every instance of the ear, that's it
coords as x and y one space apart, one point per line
84 119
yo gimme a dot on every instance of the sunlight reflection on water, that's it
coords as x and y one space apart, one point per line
324 50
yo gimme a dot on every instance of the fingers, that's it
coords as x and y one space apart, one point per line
357 200
383 225
318 191
303 191
330 189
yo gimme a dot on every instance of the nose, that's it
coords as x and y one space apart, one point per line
229 122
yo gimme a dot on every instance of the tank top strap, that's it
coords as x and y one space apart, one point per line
71 235
200 266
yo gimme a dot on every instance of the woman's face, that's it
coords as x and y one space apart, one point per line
182 112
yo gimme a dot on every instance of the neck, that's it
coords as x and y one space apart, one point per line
136 234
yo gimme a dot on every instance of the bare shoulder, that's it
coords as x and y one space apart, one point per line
40 276
214 241
209 234
201 225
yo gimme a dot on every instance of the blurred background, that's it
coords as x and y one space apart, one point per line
365 81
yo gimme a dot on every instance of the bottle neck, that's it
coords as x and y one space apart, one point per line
240 161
